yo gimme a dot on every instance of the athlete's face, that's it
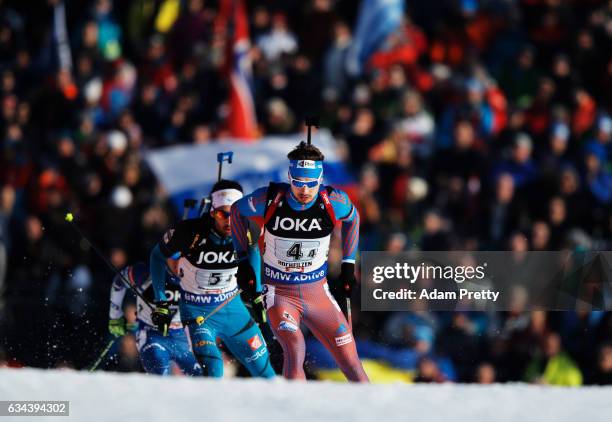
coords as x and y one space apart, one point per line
221 215
304 194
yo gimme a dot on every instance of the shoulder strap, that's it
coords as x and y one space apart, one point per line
273 197
324 194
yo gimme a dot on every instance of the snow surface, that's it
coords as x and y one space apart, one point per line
135 397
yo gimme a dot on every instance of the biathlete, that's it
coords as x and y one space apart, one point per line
297 220
156 350
202 251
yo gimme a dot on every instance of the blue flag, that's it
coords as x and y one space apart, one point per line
376 20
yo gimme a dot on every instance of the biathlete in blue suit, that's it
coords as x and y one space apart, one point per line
202 251
156 350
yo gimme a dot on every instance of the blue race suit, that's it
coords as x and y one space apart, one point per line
207 267
156 351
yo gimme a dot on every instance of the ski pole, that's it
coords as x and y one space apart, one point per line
70 219
349 313
218 308
103 354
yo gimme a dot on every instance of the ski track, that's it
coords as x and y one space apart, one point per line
136 397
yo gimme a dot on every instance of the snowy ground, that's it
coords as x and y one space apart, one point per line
136 397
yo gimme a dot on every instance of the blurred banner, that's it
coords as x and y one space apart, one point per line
486 281
189 171
376 20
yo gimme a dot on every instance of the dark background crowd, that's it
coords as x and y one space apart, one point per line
479 125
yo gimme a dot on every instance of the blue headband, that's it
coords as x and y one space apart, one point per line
306 168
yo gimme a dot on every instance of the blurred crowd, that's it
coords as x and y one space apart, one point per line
478 125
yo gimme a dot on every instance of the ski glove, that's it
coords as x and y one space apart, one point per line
247 281
246 278
162 316
117 327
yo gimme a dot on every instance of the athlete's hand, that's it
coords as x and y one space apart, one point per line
117 327
161 317
256 307
347 278
259 310
246 277
247 281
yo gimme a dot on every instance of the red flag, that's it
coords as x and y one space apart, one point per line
241 120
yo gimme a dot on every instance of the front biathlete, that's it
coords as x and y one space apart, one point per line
156 350
297 220
202 252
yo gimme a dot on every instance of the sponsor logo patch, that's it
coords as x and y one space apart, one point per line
297 224
203 331
345 339
288 317
341 329
202 343
293 277
199 320
306 164
256 355
287 326
212 257
338 197
255 342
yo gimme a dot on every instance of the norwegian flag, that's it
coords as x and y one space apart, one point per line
241 120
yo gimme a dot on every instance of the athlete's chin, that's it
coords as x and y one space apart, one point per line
227 230
304 199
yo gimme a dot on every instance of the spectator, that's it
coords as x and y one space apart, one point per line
485 374
520 165
435 237
597 177
459 342
428 372
279 40
557 219
7 201
335 75
603 136
504 214
519 79
416 125
603 372
552 366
